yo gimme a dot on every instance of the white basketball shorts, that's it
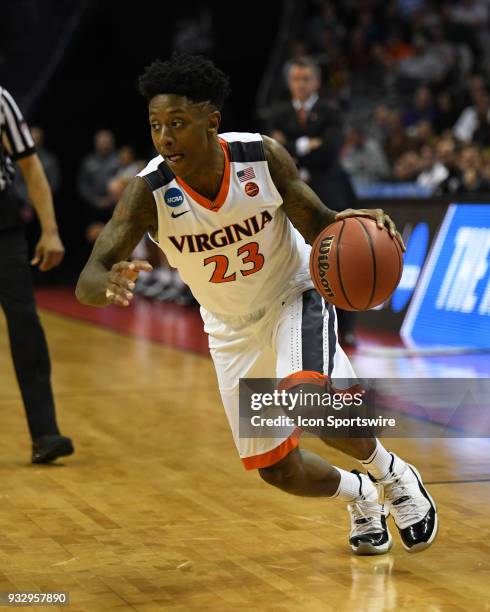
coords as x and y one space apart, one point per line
294 335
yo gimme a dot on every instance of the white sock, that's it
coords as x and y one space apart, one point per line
352 488
378 464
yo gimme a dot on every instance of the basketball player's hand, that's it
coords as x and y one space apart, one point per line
49 251
379 215
121 281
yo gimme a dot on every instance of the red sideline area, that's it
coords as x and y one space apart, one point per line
170 324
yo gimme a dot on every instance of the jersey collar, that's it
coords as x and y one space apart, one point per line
217 203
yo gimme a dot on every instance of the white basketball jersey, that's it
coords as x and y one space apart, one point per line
240 252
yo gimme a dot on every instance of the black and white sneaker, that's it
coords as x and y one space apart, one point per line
410 505
369 533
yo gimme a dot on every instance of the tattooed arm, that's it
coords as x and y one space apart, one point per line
108 278
301 204
305 210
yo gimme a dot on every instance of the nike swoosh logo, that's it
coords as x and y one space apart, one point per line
175 215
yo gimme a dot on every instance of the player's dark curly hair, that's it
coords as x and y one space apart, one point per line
192 76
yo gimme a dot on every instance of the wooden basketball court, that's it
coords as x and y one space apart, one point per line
155 512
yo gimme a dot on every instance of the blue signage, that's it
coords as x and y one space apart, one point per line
451 304
413 260
391 190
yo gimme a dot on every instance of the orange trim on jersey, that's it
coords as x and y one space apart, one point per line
274 455
217 203
313 378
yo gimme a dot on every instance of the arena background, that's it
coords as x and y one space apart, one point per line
73 66
153 511
88 81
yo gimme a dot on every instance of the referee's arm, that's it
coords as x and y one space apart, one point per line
19 144
39 192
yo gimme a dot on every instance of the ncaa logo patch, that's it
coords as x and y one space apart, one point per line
174 197
251 189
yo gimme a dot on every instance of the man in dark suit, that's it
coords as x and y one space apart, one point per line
311 129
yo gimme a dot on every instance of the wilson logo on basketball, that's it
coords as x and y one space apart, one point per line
323 265
251 189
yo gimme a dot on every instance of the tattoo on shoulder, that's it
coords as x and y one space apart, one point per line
301 204
137 204
281 164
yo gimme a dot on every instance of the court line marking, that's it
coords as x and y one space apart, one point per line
436 482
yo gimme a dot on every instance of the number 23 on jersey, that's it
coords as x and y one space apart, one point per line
248 254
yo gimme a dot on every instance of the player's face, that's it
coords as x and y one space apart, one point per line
182 131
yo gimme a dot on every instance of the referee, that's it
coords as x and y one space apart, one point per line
27 341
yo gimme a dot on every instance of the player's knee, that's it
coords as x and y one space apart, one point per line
284 474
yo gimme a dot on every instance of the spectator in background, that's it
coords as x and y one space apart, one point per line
472 13
326 20
469 120
422 134
424 67
363 157
446 153
48 159
468 178
432 171
485 168
472 179
129 166
96 171
422 108
441 47
380 127
469 24
406 167
359 52
311 130
446 112
395 48
481 135
397 141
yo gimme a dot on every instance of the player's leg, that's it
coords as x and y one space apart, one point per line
29 349
405 496
303 344
242 349
306 474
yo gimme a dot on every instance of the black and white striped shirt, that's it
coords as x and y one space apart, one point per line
15 138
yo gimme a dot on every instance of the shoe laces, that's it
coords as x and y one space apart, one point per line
406 507
366 517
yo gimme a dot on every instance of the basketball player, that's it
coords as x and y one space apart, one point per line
224 209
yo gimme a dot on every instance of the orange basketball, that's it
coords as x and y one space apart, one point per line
355 265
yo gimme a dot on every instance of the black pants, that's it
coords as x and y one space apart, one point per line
346 321
27 341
